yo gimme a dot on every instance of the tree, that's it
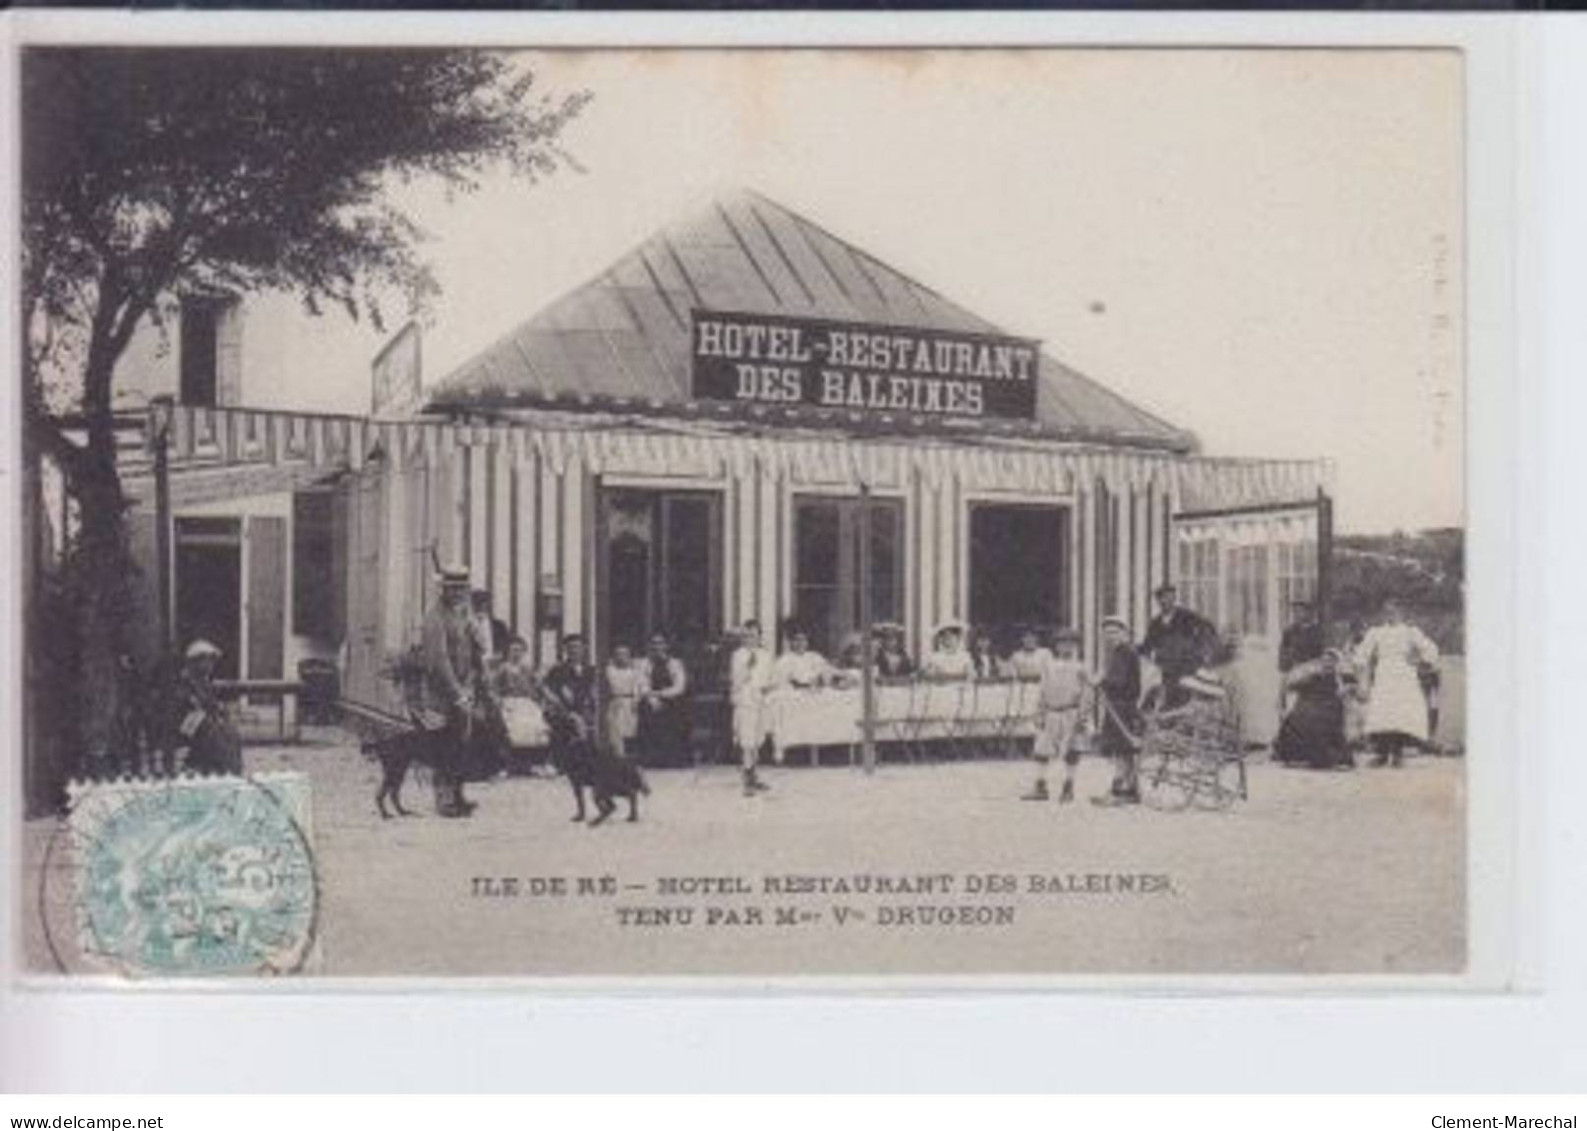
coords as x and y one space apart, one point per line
152 174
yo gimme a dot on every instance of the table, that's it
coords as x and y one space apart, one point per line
284 691
912 711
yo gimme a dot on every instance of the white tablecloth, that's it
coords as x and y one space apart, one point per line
907 712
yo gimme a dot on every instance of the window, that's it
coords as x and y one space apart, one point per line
660 569
1297 577
209 351
200 350
1019 567
827 567
1247 589
1198 576
208 582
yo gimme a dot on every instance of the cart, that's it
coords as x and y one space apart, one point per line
1192 755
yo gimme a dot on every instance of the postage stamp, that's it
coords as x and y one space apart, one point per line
195 877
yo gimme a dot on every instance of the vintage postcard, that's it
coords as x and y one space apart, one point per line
743 513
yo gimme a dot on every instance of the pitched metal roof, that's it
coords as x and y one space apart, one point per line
623 339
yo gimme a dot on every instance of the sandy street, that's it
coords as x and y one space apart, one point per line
926 868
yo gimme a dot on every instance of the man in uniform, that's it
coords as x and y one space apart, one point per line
449 677
1178 641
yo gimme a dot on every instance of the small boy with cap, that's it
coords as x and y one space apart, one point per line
1062 685
1120 688
750 679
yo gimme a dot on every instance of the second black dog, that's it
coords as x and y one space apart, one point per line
604 774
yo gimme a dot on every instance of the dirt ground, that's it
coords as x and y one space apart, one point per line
1318 872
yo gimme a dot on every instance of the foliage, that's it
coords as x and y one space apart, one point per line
153 174
1425 572
148 171
404 670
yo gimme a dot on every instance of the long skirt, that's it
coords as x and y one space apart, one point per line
664 734
216 748
1313 732
622 723
1397 705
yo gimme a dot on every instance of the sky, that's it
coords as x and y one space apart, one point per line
1261 246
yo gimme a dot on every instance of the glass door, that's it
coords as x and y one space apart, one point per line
660 569
826 595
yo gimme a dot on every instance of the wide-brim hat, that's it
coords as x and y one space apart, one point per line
454 574
1115 619
201 648
946 627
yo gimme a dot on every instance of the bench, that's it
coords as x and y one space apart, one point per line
284 692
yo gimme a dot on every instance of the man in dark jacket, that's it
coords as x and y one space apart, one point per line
449 679
1178 641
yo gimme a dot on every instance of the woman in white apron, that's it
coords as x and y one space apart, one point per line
1390 659
519 692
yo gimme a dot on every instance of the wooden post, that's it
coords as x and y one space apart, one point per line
1325 559
162 521
867 671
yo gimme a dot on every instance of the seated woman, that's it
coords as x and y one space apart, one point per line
1209 715
519 693
984 660
1312 732
205 741
948 659
851 661
892 660
1030 660
800 668
665 728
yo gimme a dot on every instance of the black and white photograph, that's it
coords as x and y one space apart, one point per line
913 512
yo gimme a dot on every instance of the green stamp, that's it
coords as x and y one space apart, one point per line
196 877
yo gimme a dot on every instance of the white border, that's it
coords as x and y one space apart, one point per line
1103 1039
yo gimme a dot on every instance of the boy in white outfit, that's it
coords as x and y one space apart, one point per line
750 677
1062 685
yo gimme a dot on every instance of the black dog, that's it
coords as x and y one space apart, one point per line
603 773
395 753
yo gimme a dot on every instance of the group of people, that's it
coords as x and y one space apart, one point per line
1381 688
482 694
485 699
1196 688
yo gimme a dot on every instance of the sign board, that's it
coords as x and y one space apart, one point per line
398 386
772 359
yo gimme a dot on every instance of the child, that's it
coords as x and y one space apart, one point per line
518 691
1062 683
750 677
623 682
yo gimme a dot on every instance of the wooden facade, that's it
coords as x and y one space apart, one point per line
522 502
